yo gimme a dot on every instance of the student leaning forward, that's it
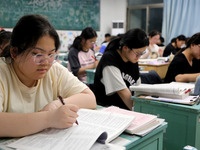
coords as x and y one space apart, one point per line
30 82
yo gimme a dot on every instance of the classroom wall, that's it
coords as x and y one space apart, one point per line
109 10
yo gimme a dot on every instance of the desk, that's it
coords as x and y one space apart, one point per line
161 69
152 141
183 122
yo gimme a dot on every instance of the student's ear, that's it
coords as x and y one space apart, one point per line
125 48
13 52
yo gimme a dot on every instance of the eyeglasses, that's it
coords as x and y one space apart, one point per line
40 58
138 54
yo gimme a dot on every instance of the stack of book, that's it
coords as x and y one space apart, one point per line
174 92
95 129
141 125
169 90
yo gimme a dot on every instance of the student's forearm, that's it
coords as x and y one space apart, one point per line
186 77
82 70
18 124
125 95
85 99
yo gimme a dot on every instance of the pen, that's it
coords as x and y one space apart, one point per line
94 58
62 101
187 91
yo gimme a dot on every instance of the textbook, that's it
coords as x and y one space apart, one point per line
168 90
94 126
141 125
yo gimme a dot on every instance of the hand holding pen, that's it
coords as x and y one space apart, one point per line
63 102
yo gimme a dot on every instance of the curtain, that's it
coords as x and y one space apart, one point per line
180 17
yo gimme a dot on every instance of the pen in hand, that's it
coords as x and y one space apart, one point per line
62 101
94 58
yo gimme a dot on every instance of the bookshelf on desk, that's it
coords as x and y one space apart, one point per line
183 122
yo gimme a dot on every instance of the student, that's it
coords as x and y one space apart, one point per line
185 65
107 38
153 51
160 42
118 69
174 46
104 45
30 82
4 39
81 56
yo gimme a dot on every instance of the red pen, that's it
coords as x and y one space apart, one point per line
94 58
187 91
62 101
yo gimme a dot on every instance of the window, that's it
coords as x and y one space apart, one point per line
146 16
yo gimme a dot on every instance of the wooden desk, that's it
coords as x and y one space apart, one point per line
183 122
161 69
151 141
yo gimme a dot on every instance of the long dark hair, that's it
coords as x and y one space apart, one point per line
134 38
87 33
27 32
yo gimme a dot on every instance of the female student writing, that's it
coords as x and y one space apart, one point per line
118 69
30 82
185 67
153 51
81 56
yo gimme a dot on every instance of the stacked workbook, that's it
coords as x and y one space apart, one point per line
141 125
168 90
174 92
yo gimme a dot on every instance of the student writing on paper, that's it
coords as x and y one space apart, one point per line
81 56
185 67
31 81
118 69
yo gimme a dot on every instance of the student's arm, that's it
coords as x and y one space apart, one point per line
186 77
146 55
113 82
125 95
19 124
85 99
82 70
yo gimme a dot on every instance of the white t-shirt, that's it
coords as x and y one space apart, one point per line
16 97
113 81
152 52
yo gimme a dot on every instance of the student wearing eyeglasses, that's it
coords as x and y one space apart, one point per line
118 69
81 55
31 81
153 51
185 67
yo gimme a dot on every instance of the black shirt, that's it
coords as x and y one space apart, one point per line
129 72
170 49
180 65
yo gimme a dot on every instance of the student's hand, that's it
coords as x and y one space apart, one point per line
160 51
95 64
63 117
